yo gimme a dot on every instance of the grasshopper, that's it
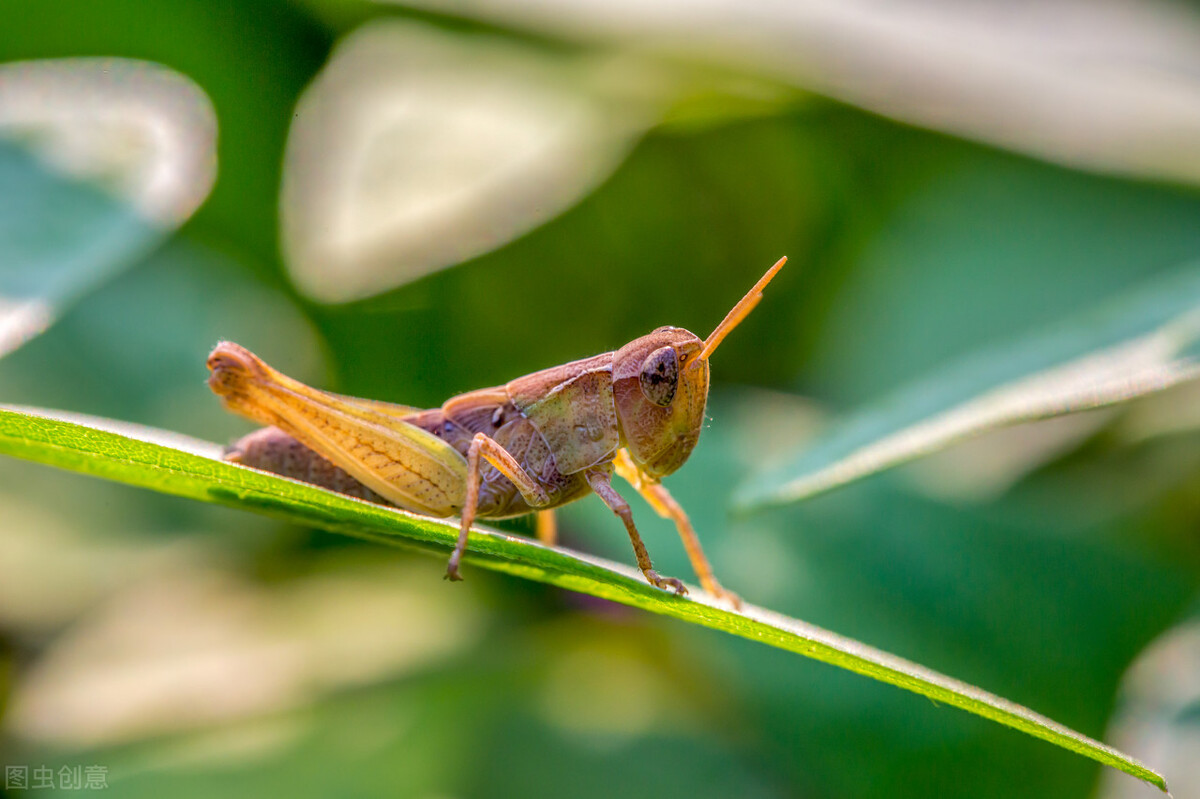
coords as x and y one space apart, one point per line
538 442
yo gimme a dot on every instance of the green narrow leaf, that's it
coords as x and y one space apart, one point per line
1138 345
174 471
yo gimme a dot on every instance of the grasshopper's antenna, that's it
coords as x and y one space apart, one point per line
740 311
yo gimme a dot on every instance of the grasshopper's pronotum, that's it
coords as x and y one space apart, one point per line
538 442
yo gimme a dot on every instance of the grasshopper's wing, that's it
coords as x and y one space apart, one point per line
399 461
386 408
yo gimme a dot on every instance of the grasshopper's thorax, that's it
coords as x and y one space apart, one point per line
660 392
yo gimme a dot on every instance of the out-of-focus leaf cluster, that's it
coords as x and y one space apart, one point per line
196 650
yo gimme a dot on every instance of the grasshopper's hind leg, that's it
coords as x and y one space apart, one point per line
483 447
401 462
601 483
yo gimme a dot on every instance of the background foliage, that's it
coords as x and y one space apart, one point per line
194 649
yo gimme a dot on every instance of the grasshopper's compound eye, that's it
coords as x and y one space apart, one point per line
660 376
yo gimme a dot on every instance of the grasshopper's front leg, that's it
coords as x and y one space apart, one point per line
601 483
665 506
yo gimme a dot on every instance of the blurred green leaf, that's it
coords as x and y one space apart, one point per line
187 294
1159 707
100 159
954 249
1131 347
506 700
139 462
250 59
489 139
1117 100
59 238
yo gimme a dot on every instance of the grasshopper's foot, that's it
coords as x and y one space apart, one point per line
452 571
666 583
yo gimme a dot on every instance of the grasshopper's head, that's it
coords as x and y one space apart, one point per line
660 385
660 388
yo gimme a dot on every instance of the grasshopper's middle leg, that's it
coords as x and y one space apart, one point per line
489 450
601 483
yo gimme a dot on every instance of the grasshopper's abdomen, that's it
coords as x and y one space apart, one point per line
273 450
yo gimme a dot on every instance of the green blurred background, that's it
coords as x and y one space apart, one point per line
649 167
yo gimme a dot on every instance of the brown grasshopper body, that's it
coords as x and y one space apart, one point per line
537 442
